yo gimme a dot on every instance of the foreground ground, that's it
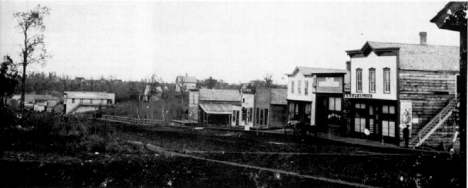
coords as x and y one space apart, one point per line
290 161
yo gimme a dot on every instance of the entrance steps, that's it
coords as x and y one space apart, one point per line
440 129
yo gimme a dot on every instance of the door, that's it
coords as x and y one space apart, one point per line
372 119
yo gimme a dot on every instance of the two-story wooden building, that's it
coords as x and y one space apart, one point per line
395 85
315 96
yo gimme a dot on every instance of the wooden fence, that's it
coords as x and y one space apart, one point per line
132 121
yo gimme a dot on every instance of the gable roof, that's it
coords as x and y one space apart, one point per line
311 71
278 96
220 95
416 56
186 79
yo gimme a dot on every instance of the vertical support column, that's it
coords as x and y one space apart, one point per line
463 89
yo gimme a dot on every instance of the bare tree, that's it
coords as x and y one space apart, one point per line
268 79
31 25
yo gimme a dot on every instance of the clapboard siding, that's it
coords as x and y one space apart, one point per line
429 92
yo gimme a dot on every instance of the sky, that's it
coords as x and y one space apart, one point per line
235 41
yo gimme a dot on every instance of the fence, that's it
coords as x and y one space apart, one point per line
132 121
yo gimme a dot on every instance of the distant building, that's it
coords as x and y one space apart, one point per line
81 101
219 107
395 85
270 107
37 103
151 93
185 83
315 97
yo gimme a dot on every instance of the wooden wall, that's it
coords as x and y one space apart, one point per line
429 92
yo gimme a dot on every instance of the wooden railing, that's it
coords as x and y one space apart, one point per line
132 121
434 124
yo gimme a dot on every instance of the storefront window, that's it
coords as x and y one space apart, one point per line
307 108
388 120
261 117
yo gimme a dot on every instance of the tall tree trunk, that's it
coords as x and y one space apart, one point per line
23 79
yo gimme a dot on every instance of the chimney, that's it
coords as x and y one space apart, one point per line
423 38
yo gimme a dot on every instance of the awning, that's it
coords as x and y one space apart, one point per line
217 108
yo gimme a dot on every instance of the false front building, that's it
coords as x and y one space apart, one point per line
315 97
397 85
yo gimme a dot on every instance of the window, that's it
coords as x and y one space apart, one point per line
371 80
306 87
243 100
359 80
388 123
307 109
299 87
266 116
109 101
386 80
261 117
81 101
73 100
359 123
334 104
244 114
90 101
250 114
292 86
257 118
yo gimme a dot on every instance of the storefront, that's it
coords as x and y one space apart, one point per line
300 111
329 102
379 117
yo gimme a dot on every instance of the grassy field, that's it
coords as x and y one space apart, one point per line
85 153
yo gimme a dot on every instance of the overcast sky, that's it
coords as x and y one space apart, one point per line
233 41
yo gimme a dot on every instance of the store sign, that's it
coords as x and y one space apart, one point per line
358 96
330 84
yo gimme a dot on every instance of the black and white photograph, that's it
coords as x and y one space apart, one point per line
235 93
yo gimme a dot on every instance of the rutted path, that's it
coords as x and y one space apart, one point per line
171 153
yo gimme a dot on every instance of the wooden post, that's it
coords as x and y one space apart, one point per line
463 89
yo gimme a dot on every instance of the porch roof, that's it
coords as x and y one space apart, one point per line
217 108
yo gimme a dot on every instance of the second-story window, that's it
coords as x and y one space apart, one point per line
299 87
359 80
292 86
386 80
372 80
306 87
73 100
